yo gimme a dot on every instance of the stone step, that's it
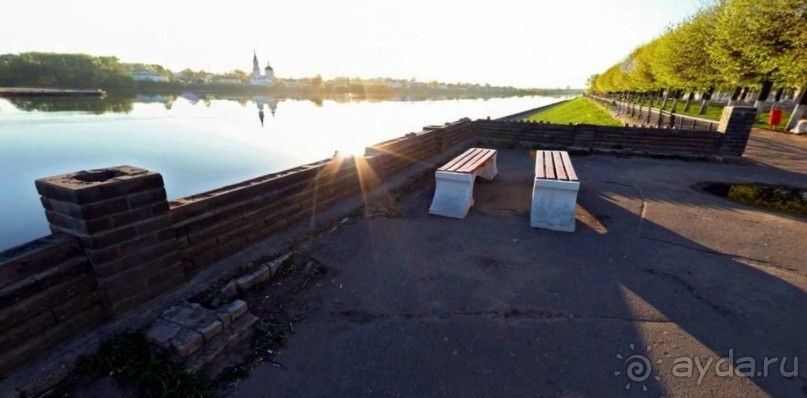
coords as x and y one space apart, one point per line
184 328
226 349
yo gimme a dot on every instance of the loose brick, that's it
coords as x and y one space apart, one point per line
161 333
186 342
246 282
237 309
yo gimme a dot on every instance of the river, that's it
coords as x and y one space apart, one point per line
198 144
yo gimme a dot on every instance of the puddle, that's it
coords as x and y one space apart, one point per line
781 198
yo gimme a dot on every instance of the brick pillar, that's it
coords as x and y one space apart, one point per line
121 217
735 124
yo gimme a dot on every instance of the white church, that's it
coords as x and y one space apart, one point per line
266 79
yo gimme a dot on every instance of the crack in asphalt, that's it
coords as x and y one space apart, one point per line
720 309
761 263
364 317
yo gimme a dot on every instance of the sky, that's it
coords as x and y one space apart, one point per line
521 43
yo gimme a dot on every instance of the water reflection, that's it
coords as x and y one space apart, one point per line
196 148
94 105
123 103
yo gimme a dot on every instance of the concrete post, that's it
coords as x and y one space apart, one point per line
121 217
735 124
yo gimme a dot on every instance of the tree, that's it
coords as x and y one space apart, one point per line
681 59
761 42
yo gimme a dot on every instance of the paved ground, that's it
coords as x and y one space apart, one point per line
420 305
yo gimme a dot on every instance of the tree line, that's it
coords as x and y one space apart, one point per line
37 69
729 46
56 70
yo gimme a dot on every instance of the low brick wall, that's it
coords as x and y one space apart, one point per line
215 224
583 136
48 295
120 244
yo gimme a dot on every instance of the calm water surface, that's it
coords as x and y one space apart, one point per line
197 144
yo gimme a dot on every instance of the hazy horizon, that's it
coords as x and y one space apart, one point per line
545 44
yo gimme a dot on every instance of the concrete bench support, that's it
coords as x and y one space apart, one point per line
554 193
453 195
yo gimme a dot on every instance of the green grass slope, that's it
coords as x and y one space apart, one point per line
579 110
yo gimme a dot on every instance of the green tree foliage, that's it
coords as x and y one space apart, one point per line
730 43
757 41
638 68
681 60
62 70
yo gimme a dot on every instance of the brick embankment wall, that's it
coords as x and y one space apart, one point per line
589 137
215 224
48 295
120 244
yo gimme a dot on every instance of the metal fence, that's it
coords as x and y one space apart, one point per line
645 115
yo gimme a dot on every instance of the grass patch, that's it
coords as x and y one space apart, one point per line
129 358
773 197
579 110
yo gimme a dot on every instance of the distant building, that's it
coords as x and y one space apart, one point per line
225 80
257 79
292 83
144 75
394 84
340 82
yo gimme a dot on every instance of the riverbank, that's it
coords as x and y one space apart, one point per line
49 92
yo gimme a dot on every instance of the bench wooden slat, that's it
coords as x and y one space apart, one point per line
549 166
477 161
539 165
559 172
567 164
458 159
468 159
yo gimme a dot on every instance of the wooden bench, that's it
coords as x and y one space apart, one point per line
453 196
554 193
